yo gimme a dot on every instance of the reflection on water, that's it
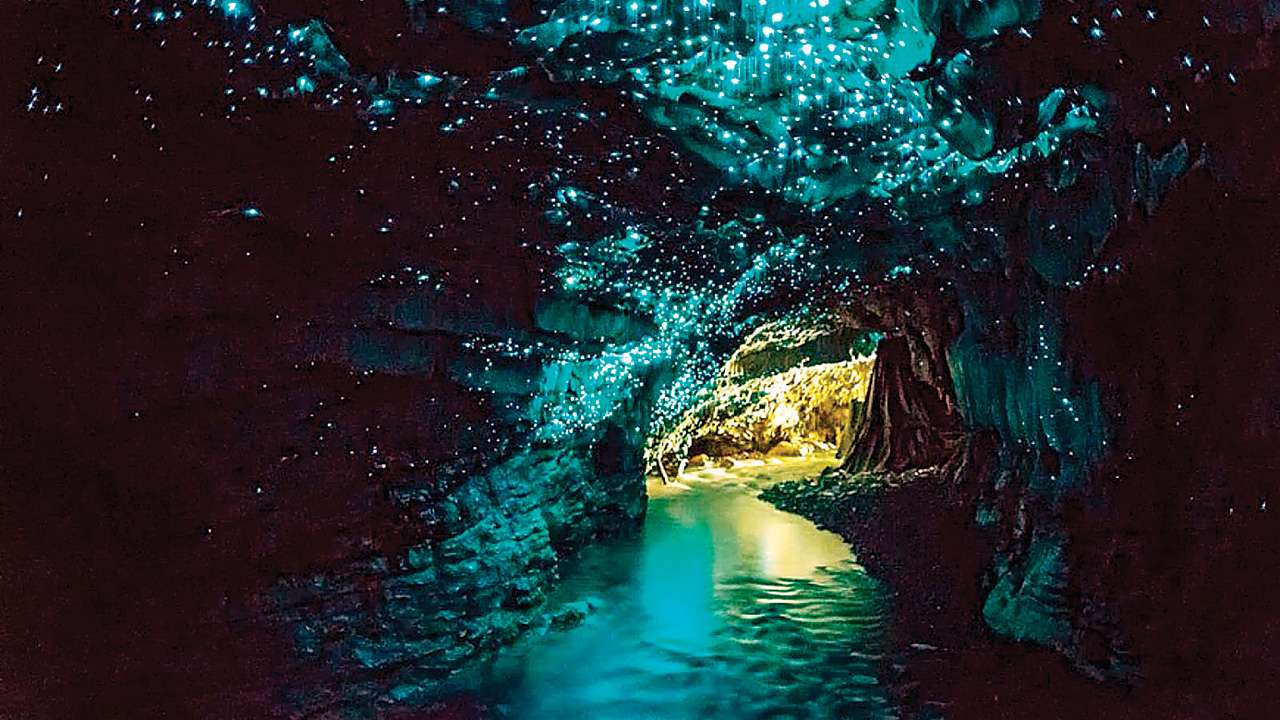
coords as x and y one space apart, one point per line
723 607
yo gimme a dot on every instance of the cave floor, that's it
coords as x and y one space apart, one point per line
722 606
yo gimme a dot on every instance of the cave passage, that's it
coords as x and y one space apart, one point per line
372 355
721 607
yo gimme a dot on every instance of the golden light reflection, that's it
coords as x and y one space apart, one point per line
752 537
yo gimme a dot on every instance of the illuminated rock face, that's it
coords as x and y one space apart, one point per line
795 411
791 387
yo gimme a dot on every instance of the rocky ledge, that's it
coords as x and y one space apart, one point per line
919 532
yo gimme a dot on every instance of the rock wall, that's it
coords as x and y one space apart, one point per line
791 387
275 430
788 413
485 528
1074 359
906 420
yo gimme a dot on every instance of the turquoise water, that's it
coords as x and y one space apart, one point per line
723 607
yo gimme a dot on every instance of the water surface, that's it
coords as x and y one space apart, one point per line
722 607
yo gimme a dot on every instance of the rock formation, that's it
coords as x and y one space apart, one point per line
792 387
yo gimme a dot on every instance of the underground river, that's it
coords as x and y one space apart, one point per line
722 607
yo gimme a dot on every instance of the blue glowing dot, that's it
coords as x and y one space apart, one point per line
236 8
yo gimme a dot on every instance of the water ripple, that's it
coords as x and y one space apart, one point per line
725 608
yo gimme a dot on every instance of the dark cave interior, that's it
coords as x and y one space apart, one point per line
337 330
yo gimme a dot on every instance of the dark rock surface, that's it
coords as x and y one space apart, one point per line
906 421
268 465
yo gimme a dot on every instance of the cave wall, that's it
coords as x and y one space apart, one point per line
1117 509
484 529
275 447
1109 510
1091 410
1086 371
1020 384
1130 474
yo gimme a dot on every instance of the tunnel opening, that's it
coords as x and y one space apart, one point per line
791 389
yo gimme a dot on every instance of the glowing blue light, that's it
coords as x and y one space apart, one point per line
236 8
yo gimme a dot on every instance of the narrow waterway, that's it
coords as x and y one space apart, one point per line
722 607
